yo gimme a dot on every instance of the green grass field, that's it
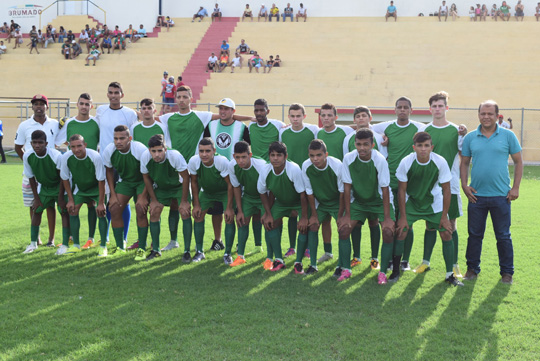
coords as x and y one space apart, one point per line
83 308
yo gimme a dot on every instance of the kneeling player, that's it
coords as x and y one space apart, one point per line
41 164
209 184
163 168
84 167
124 155
420 197
284 180
244 171
324 189
366 178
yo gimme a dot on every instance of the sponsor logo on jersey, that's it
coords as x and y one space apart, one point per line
223 140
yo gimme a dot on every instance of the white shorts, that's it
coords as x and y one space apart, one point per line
28 195
91 57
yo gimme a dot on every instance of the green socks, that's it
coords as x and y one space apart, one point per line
356 237
386 255
327 247
243 234
256 226
187 231
198 229
155 229
269 248
230 231
313 243
344 260
174 218
65 235
448 254
302 245
430 237
408 245
92 221
455 239
118 236
292 227
75 225
142 232
274 239
103 230
398 247
375 235
34 234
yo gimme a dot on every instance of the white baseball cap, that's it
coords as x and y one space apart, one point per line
228 102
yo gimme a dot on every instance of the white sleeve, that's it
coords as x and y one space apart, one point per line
164 119
109 150
98 164
337 167
194 164
346 143
222 164
305 178
295 175
261 182
20 136
403 168
445 175
345 172
382 148
62 134
383 172
145 158
314 129
27 169
460 142
138 149
132 118
55 156
177 160
64 170
419 126
205 117
348 130
232 175
381 127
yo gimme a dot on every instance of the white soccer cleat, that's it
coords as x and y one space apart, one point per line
61 250
31 248
325 257
171 245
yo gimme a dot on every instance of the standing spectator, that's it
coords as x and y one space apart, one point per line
212 63
243 47
93 55
169 94
443 11
33 40
504 11
179 82
141 33
200 14
288 12
225 48
106 43
503 124
489 191
263 13
216 13
249 14
302 13
519 11
391 11
61 35
1 138
164 82
274 11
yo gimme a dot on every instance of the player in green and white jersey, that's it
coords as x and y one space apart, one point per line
297 138
209 178
284 181
263 131
41 167
324 189
400 133
333 136
244 171
83 167
162 170
124 156
446 143
362 119
424 193
367 179
148 127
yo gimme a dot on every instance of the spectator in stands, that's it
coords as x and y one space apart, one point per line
223 61
504 11
48 38
247 13
302 13
83 37
250 60
179 82
200 14
269 64
3 48
212 63
288 12
391 11
216 13
70 36
11 34
236 62
18 38
169 22
141 33
130 32
98 31
40 38
119 43
75 49
52 31
494 12
472 14
66 50
256 62
443 11
106 43
243 48
277 62
519 11
169 94
92 42
116 31
478 13
485 12
537 13
225 47
5 28
160 21
106 32
94 55
2 137
502 123
453 12
263 13
274 12
164 82
33 39
87 29
61 35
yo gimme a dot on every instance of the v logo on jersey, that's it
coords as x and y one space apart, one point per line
223 140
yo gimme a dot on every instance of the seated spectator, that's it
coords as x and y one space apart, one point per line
236 62
62 35
504 11
494 13
83 37
3 48
40 39
484 12
106 44
302 13
519 11
225 48
537 13
179 82
269 64
391 11
66 50
443 11
106 32
454 12
87 29
277 62
98 31
288 12
130 32
216 13
274 12
478 13
212 63
11 35
141 33
75 49
200 14
119 43
169 22
70 36
472 14
160 21
48 38
13 31
116 31
223 61
18 38
5 28
52 30
255 62
243 47
247 13
92 42
263 13
94 55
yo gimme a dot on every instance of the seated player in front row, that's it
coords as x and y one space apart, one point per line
84 168
162 169
284 180
209 178
421 176
244 171
41 164
124 156
324 188
366 181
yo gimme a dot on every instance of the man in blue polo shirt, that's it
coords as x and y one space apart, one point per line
391 11
488 147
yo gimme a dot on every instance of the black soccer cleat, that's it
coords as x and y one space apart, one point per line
217 245
153 255
311 271
199 256
186 258
337 272
452 280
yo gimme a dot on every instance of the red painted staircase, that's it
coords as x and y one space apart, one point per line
195 74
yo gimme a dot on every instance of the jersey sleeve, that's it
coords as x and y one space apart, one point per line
445 175
261 182
295 175
164 119
131 117
109 150
137 149
305 178
403 168
27 168
345 172
55 156
177 160
381 127
348 130
98 164
232 175
205 117
145 158
314 129
337 166
383 172
194 164
346 143
64 170
419 125
20 135
222 164
245 135
277 123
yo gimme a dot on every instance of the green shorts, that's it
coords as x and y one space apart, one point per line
251 206
361 213
207 200
129 189
280 210
49 202
432 220
455 210
166 196
324 213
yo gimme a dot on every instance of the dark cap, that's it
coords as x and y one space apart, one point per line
40 97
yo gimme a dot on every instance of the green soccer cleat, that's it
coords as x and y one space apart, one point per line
73 249
102 252
117 251
140 254
421 268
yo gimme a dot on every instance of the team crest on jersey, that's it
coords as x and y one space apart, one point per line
223 140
